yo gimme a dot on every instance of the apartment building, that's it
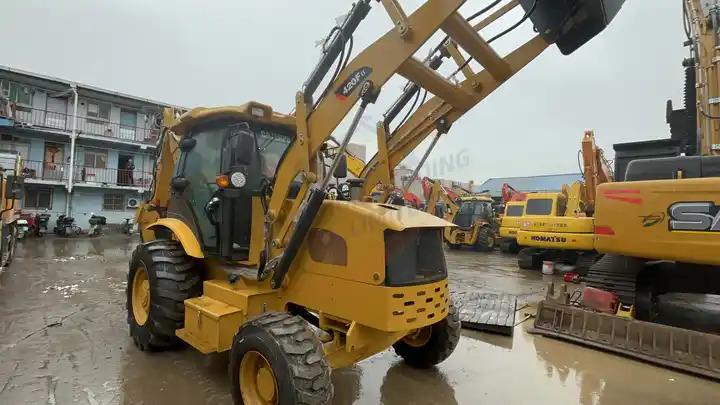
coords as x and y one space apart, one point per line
86 150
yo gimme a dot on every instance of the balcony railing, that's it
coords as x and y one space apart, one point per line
86 125
33 169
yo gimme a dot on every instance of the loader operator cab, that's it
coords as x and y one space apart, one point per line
473 210
225 164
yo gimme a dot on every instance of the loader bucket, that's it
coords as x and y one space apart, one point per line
570 23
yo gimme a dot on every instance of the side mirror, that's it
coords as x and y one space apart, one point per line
341 170
14 187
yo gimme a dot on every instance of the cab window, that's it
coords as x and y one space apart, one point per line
514 210
539 206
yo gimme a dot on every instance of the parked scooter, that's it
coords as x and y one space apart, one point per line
65 226
96 224
22 228
41 222
37 224
127 226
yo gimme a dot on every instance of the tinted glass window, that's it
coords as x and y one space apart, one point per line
514 210
540 206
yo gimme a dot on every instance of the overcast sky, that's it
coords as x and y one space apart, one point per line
223 52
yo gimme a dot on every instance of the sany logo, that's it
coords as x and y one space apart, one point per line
694 216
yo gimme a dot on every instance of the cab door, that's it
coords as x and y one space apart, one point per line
194 189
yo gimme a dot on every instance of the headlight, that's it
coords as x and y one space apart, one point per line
238 180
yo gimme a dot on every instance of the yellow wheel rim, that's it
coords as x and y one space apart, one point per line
258 385
141 296
418 337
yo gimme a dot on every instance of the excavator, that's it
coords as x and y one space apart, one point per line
241 250
514 208
11 190
658 230
558 227
472 214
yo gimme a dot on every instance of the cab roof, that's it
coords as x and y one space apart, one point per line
476 198
252 111
537 196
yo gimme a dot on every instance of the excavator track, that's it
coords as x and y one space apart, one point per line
617 274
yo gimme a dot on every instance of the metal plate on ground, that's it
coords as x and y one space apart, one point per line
486 311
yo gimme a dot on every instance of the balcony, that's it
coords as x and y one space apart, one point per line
49 172
44 119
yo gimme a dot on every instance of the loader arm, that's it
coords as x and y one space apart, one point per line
438 113
439 193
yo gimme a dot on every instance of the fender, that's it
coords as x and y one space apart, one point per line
184 235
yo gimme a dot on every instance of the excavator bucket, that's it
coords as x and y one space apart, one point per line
570 23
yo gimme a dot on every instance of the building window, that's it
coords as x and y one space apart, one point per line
38 198
17 93
113 202
98 110
96 158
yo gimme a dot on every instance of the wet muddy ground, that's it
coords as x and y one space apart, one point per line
64 340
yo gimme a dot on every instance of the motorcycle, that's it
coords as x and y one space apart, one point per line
96 224
65 226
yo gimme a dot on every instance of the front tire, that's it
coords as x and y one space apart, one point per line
277 359
160 279
433 344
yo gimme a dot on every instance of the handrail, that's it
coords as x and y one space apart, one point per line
45 119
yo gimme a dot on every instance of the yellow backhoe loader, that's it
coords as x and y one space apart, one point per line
472 214
243 252
659 230
558 227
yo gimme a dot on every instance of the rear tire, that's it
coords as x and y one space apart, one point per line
529 259
485 240
170 277
440 344
292 357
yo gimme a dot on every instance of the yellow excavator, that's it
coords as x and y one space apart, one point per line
558 227
472 214
514 202
659 230
241 249
11 190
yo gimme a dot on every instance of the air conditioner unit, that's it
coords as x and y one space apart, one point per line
133 203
